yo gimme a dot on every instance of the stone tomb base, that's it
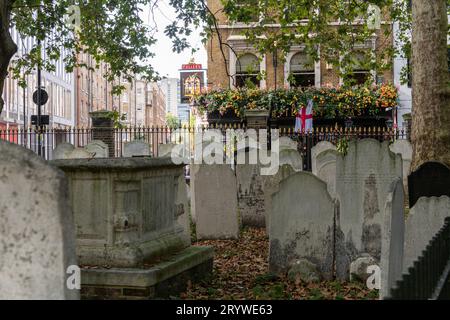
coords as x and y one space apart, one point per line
162 280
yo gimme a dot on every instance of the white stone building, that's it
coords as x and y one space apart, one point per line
60 86
171 89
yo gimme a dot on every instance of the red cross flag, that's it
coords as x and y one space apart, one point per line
304 118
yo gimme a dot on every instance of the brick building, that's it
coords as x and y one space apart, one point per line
155 110
240 55
94 93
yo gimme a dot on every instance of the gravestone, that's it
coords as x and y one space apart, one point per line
316 150
287 143
324 167
182 209
392 238
165 150
303 228
271 186
216 210
431 179
36 228
250 193
98 148
291 157
290 162
131 228
363 180
193 168
136 148
404 148
424 220
63 150
177 152
250 190
79 153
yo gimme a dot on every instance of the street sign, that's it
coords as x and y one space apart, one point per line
44 97
45 120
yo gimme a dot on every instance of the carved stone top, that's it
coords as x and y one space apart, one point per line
120 164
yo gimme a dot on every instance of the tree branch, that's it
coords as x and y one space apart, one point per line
7 46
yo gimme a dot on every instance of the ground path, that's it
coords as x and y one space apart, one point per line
240 272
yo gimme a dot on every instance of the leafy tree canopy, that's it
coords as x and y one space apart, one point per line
113 31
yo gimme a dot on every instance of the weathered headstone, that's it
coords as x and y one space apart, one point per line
98 148
63 150
250 193
193 172
165 150
136 148
431 179
287 143
250 185
80 153
290 162
177 152
363 180
37 234
316 150
303 228
404 148
291 157
182 209
324 166
215 207
393 234
424 220
130 215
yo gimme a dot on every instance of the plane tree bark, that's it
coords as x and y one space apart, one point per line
7 46
430 83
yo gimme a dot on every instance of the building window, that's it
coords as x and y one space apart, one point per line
360 72
247 70
302 73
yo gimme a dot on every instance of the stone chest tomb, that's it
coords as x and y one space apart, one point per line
127 213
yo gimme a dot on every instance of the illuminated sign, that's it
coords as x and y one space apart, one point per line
191 66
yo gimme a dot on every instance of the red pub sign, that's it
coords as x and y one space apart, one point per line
191 66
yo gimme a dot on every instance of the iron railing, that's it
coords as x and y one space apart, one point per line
154 136
429 277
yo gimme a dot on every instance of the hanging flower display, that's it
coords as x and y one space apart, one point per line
328 102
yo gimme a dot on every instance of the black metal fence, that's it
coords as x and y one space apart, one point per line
429 277
47 140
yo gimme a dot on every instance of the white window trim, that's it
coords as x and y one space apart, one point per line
238 48
287 67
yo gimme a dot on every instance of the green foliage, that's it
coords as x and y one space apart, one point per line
172 121
111 31
342 146
336 26
329 103
117 118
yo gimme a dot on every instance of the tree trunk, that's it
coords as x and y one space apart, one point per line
7 46
430 90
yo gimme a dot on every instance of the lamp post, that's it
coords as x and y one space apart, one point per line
39 88
269 118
